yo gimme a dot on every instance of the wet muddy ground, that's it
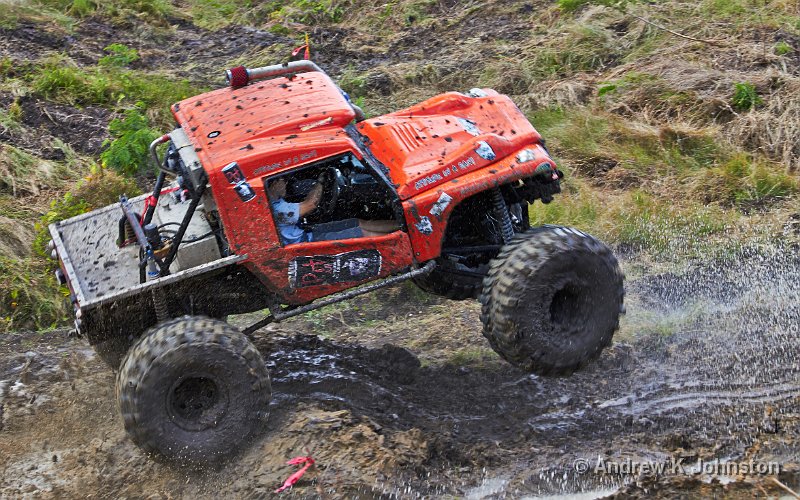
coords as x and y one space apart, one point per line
704 368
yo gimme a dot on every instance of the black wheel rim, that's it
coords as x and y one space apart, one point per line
197 402
563 306
570 309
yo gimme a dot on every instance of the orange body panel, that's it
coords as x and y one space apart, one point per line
435 141
427 214
261 123
436 154
267 127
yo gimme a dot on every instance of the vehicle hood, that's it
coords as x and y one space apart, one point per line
445 137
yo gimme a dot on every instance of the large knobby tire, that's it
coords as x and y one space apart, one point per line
193 389
552 299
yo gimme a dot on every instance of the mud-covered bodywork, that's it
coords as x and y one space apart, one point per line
451 147
104 278
439 140
432 156
424 162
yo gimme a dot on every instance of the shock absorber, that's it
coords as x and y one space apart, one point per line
501 212
160 304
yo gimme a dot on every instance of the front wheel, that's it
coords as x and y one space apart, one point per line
552 299
193 389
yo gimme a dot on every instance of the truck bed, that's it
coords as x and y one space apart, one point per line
99 271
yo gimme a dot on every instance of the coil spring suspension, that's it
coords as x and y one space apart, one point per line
160 304
501 212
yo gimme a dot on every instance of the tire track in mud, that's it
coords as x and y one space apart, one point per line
648 403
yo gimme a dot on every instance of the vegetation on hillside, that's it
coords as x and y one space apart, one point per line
675 121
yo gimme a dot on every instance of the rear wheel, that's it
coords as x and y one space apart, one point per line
552 299
193 389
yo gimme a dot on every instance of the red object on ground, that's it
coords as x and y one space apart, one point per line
291 480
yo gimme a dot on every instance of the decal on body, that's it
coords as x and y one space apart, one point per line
424 225
469 126
285 163
485 151
446 172
234 175
316 270
440 206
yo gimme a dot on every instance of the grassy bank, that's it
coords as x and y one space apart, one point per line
674 121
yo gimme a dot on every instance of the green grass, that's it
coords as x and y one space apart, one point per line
745 97
147 10
12 12
475 357
506 76
637 220
118 55
60 80
9 122
310 12
23 173
29 295
764 13
580 133
215 14
574 131
630 80
573 5
576 48
745 181
11 207
687 189
417 12
782 48
127 151
352 82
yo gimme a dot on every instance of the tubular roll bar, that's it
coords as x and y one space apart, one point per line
154 154
240 76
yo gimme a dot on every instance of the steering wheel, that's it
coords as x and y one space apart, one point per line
330 191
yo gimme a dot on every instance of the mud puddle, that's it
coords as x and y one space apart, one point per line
703 370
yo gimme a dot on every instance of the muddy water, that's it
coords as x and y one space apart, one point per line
703 369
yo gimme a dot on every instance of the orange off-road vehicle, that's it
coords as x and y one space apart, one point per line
153 278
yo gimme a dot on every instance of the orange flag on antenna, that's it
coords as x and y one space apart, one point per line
304 49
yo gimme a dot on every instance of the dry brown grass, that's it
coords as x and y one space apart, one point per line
773 129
